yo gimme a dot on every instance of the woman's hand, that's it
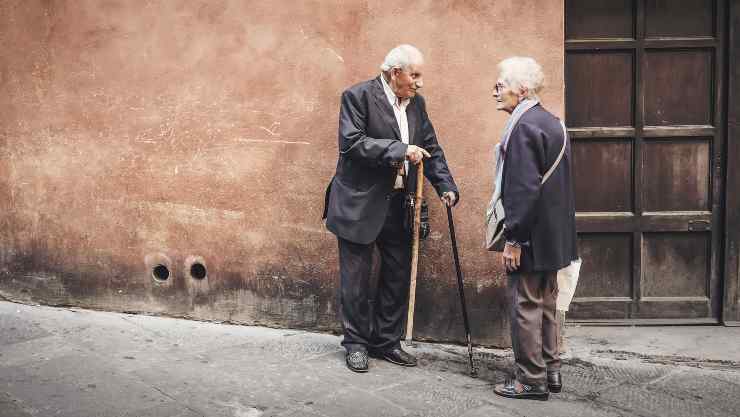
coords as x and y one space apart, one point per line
511 257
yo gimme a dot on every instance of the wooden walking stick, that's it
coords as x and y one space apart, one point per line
415 250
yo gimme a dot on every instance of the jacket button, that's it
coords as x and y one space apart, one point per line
388 196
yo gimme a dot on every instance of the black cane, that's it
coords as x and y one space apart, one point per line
473 370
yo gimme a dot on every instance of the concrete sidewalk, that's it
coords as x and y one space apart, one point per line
77 363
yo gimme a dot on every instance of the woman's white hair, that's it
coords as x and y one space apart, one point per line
519 72
401 57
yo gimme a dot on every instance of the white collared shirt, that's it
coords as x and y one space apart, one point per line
399 110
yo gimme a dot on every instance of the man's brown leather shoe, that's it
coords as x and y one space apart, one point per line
554 381
515 389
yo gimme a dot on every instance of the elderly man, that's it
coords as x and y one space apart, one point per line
384 131
539 225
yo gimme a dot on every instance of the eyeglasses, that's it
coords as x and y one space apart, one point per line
499 88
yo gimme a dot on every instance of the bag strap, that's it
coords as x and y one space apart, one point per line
560 156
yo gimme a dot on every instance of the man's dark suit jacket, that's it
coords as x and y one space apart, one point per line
370 154
543 215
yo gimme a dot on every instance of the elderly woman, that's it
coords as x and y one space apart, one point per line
539 225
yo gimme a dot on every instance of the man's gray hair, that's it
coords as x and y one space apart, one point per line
401 57
519 72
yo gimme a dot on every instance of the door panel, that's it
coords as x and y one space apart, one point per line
600 98
676 175
609 266
679 18
610 160
590 19
643 106
678 87
675 264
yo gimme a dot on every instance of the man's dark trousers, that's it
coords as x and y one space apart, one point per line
391 300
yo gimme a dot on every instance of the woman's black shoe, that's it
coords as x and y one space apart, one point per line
356 361
554 381
515 389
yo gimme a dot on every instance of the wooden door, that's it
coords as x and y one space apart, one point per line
731 312
644 101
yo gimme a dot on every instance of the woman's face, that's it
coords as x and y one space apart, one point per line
506 98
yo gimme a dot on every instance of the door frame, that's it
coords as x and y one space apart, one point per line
731 304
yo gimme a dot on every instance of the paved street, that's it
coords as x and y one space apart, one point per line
78 363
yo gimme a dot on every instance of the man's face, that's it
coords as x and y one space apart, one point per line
404 83
506 98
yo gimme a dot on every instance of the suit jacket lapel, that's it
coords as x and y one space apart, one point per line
381 100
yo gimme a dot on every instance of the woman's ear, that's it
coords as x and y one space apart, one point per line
523 92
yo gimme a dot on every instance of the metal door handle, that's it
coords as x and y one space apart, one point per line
699 225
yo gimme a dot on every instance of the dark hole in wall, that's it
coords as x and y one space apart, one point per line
198 270
161 272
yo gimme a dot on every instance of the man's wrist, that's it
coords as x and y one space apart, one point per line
518 244
513 244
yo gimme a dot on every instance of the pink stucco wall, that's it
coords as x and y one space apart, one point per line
134 133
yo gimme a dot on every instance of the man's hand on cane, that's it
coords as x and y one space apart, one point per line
449 198
415 154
